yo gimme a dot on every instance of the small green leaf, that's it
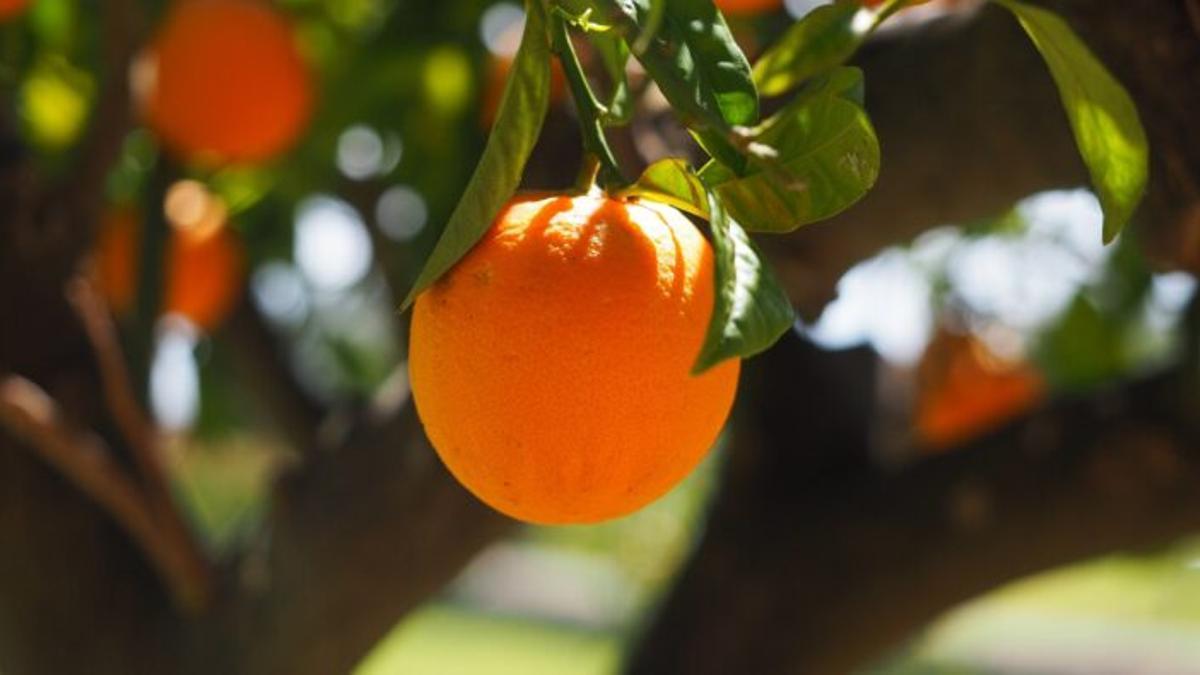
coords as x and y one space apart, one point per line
671 181
496 177
750 310
828 158
1104 119
824 38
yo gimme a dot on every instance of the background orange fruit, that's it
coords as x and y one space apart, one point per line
738 7
965 390
204 270
551 366
227 82
11 8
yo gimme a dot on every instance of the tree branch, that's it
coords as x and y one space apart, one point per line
364 534
28 413
112 117
834 568
141 436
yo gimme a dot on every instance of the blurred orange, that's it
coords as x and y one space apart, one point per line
225 81
965 389
748 7
11 8
204 271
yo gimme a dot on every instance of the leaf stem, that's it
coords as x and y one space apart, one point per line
153 243
591 111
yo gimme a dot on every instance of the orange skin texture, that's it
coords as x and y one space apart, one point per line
551 366
12 8
230 84
748 7
967 391
204 272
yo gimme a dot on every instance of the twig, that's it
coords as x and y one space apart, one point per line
120 23
32 416
137 429
591 112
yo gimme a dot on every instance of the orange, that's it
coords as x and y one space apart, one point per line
204 269
551 366
11 8
746 7
226 83
967 390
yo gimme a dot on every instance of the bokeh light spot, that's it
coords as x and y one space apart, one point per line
360 152
332 246
401 213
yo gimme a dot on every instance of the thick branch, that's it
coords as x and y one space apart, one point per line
364 534
833 568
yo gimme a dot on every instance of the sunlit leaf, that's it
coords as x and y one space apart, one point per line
828 158
750 310
1104 119
673 182
824 38
721 66
518 124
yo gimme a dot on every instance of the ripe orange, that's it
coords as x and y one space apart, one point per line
204 269
966 390
11 8
227 82
748 7
551 366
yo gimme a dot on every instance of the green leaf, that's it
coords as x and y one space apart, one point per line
697 65
1104 119
518 123
828 158
720 63
671 181
750 310
824 38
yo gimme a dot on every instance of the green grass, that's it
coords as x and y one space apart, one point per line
1124 613
443 640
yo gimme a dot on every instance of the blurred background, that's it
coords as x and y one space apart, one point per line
978 323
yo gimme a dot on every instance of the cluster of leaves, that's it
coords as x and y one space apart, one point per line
814 158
